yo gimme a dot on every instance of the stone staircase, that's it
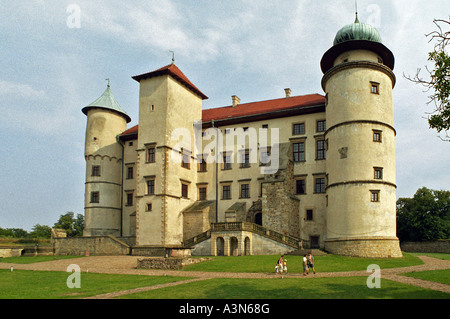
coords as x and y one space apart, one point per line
288 240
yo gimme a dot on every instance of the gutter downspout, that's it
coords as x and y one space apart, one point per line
121 185
217 176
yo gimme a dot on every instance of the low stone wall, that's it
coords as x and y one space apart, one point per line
94 246
167 263
6 252
440 246
365 247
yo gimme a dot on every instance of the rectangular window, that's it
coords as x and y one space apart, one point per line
95 197
96 170
226 161
151 187
202 165
130 172
129 199
151 154
184 190
299 152
320 185
321 126
186 160
374 88
245 159
245 190
226 192
149 207
309 214
377 136
300 186
375 196
378 173
202 193
265 156
298 129
320 150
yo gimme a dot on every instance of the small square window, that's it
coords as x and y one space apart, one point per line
148 207
95 197
298 129
375 196
378 173
377 136
374 88
96 170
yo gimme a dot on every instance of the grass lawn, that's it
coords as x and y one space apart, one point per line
441 276
33 260
327 263
290 288
25 284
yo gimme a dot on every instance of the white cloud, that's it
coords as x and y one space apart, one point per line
19 90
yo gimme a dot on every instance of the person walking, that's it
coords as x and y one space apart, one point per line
310 263
305 265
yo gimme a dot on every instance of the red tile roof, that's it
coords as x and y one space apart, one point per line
257 110
176 73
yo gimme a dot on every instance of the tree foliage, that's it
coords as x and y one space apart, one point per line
73 226
439 79
424 217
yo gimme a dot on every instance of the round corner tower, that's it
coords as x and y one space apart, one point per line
103 154
361 192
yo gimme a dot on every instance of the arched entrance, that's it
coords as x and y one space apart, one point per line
220 246
234 250
247 247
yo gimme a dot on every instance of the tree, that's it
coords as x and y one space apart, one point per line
424 217
41 231
73 226
439 81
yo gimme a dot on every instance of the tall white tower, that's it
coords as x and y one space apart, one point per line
361 192
105 121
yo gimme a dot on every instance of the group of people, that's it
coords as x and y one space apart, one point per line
281 266
308 263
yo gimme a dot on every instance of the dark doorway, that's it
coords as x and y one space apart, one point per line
258 219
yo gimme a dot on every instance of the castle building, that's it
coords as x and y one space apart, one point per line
310 171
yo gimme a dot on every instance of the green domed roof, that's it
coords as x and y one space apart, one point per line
107 101
357 31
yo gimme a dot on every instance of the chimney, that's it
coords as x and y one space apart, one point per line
236 100
288 92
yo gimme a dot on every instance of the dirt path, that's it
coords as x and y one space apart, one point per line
127 264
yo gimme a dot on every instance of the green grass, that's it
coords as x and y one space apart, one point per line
33 260
290 288
441 276
327 263
24 284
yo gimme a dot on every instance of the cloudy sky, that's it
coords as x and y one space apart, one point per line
56 55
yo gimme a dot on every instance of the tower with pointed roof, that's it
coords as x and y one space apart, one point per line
360 139
105 121
169 105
